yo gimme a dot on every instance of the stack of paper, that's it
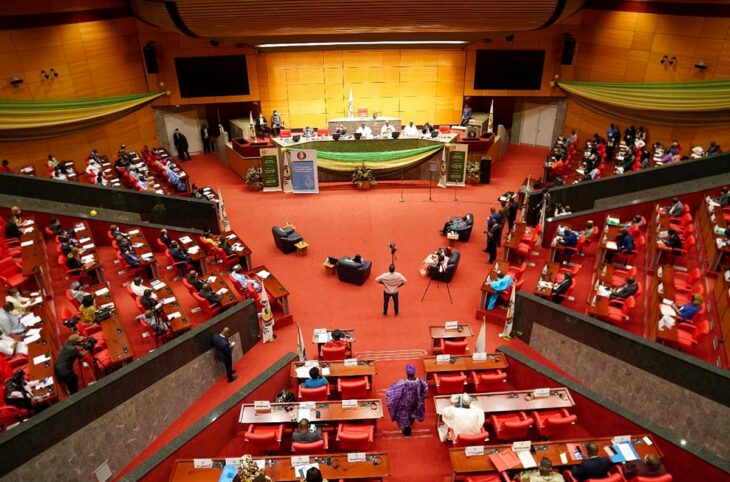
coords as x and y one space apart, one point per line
263 274
172 316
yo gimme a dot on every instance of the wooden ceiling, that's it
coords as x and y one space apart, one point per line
253 21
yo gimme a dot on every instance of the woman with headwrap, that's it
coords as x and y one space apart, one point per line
406 400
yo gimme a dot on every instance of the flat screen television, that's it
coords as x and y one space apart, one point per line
509 69
213 76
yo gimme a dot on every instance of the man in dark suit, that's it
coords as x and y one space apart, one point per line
205 137
561 288
594 467
149 302
224 352
181 145
625 290
207 292
165 238
179 254
651 466
494 232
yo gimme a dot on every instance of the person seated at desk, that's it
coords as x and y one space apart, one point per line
624 244
465 115
165 238
156 322
173 178
688 310
178 254
5 167
55 226
116 232
455 223
544 473
427 128
315 379
277 123
306 433
88 310
207 292
123 244
225 245
636 224
76 292
342 130
12 231
338 340
137 287
498 286
677 207
209 239
131 258
625 290
261 125
673 240
651 466
559 290
431 262
314 475
73 259
149 302
195 281
100 180
569 239
387 130
20 303
364 130
239 276
17 393
308 131
461 417
410 130
10 322
594 467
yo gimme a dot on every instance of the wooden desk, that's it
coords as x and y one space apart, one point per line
116 339
598 306
664 282
144 251
337 369
239 247
195 251
721 295
279 468
330 411
513 401
608 235
494 361
274 288
88 247
555 245
349 337
514 237
49 345
549 274
34 256
709 217
498 270
217 282
463 465
178 324
440 333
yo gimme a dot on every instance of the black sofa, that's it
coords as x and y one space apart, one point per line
465 231
449 272
285 239
353 272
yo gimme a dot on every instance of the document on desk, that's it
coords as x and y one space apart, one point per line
667 310
30 320
526 459
186 239
102 292
263 274
611 245
303 413
172 316
504 460
40 359
26 243
301 470
303 372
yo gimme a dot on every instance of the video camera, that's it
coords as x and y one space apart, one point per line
392 247
71 323
88 344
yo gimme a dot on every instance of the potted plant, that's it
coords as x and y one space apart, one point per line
472 172
255 179
363 178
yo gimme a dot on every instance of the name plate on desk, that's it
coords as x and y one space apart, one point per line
262 406
521 445
541 392
203 463
349 403
479 356
307 405
233 461
350 362
474 450
621 439
451 325
311 363
443 359
298 460
356 457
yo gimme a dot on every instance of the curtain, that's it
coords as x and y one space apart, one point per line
41 119
382 161
686 103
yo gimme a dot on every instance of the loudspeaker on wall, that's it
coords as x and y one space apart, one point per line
149 51
568 50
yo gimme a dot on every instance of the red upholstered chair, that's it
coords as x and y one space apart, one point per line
318 447
353 388
619 315
445 129
620 275
162 245
615 477
688 244
488 478
72 299
683 282
573 269
8 366
182 266
333 353
453 347
511 426
689 335
11 273
551 422
264 438
319 394
449 384
10 414
362 111
682 298
191 288
229 260
93 331
490 380
439 347
469 440
208 308
659 478
284 133
323 132
516 271
506 295
354 438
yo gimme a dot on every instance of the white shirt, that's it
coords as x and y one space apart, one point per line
387 129
391 281
410 131
10 324
138 290
19 303
365 131
466 421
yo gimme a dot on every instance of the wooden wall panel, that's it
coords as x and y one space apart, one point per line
93 59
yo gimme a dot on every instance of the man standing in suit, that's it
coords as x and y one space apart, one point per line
224 351
205 137
594 467
181 145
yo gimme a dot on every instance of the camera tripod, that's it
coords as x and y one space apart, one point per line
441 269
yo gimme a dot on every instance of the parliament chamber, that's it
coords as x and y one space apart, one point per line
390 241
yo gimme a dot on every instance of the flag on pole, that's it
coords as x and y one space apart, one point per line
251 126
222 215
507 330
490 120
301 348
350 105
481 344
267 318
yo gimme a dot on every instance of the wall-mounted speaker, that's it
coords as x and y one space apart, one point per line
568 50
149 51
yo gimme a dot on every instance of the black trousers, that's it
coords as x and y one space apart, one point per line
70 380
386 300
492 250
228 363
206 146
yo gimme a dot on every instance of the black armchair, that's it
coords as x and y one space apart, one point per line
353 272
285 239
460 225
446 273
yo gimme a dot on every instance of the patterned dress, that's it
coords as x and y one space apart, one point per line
406 401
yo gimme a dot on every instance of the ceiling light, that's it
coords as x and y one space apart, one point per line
362 43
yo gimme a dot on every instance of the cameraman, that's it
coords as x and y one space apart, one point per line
64 366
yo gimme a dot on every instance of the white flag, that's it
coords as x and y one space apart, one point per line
222 216
481 344
507 330
350 105
251 126
267 318
490 121
301 347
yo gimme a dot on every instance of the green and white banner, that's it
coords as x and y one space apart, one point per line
270 169
456 164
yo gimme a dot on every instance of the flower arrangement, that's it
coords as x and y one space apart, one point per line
363 177
472 172
248 471
255 178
